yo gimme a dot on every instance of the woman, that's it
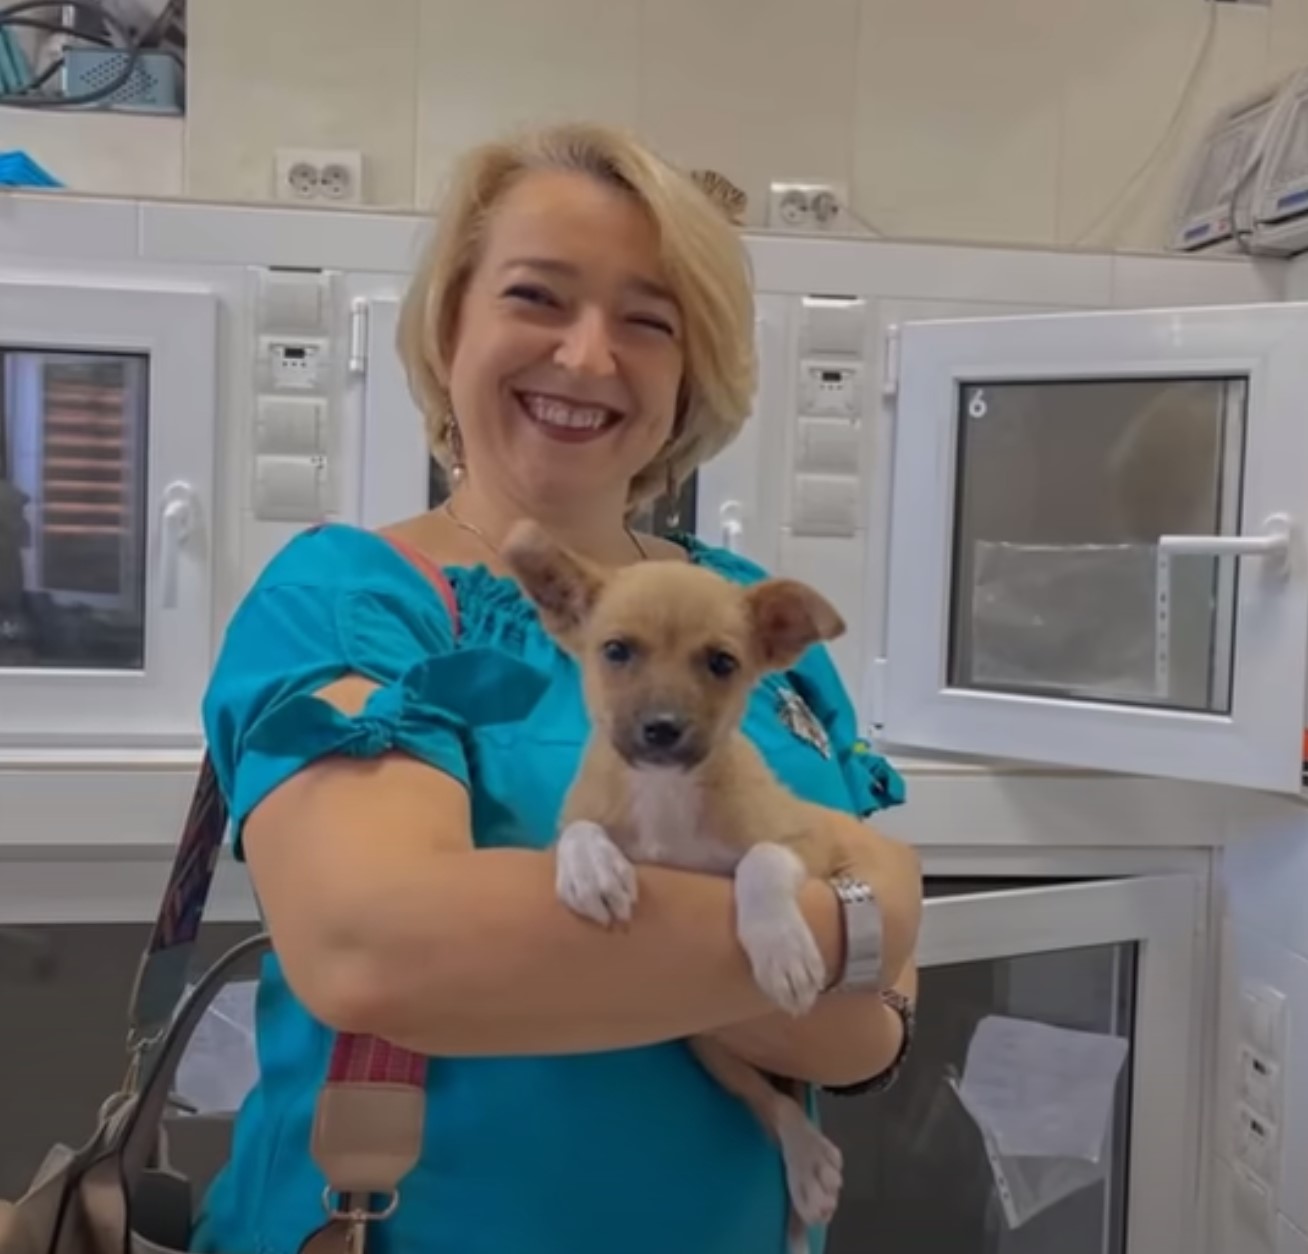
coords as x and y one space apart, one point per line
580 337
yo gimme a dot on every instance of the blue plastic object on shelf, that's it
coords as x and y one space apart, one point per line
17 169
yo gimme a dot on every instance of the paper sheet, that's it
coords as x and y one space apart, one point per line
220 1066
1042 1091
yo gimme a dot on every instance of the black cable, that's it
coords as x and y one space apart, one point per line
132 51
55 28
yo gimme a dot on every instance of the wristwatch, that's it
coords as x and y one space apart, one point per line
861 919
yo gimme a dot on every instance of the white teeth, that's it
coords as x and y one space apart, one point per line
555 413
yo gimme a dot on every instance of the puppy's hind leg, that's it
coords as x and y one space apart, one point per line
814 1165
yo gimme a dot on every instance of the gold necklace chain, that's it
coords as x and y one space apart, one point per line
474 530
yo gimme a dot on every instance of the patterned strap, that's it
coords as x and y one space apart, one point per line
162 975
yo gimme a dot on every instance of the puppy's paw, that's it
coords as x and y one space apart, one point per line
814 1167
593 876
786 961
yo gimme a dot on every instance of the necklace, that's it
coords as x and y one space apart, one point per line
473 529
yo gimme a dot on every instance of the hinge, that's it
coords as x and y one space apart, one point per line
874 693
890 362
358 359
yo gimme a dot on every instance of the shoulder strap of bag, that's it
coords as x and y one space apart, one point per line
368 1131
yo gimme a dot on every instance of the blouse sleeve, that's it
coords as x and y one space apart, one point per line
873 783
264 721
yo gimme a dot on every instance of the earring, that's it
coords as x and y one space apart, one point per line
458 467
673 514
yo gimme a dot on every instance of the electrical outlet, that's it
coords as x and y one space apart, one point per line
319 174
806 206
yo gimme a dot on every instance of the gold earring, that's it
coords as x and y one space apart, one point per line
673 512
458 467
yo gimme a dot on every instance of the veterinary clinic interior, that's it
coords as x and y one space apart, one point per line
1030 288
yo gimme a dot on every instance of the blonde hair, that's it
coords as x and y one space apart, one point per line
705 266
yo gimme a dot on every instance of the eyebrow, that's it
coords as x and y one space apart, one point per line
566 270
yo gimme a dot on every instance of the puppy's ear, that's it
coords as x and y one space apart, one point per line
787 616
564 586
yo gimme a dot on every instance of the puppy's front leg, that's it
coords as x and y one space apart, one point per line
786 960
592 875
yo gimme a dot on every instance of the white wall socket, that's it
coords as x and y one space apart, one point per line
795 206
334 175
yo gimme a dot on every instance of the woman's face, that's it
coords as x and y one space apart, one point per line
568 352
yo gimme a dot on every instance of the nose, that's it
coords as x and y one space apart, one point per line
663 731
586 347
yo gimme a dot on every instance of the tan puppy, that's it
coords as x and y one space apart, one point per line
669 653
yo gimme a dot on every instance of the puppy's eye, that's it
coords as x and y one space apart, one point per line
617 652
721 663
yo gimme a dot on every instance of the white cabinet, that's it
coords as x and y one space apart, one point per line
1096 542
1016 978
393 458
737 502
107 426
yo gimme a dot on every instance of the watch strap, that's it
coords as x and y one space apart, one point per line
861 970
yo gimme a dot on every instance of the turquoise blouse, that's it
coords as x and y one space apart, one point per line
634 1150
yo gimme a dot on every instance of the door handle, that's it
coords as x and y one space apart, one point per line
731 518
1273 545
177 523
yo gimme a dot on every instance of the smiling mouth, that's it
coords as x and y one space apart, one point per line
567 419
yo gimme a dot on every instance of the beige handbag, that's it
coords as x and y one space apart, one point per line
117 1194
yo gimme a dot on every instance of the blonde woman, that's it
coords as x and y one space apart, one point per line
579 336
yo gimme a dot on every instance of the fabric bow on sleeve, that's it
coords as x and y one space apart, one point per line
466 688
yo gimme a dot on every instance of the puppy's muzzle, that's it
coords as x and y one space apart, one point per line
661 738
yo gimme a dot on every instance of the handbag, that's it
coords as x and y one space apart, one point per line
118 1194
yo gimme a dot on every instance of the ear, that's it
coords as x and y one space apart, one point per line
787 616
563 586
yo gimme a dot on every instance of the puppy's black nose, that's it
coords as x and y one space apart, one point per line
663 731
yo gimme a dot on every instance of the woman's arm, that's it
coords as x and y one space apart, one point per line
388 922
849 1037
845 1039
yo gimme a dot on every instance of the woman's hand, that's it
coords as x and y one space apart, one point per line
849 1037
845 1039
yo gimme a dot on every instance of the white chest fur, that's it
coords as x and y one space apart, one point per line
668 823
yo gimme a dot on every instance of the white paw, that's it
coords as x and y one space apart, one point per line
814 1168
786 961
593 876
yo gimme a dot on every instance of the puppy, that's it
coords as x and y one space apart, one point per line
669 653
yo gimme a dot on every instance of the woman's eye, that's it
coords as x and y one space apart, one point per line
655 323
617 652
721 664
531 294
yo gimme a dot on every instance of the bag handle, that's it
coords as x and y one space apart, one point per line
368 1129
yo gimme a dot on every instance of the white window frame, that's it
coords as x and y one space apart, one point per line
1162 915
157 706
1258 745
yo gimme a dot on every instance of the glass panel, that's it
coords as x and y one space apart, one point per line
1063 490
917 1173
656 518
72 509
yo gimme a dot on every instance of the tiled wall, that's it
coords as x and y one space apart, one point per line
1012 120
1022 121
1265 941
